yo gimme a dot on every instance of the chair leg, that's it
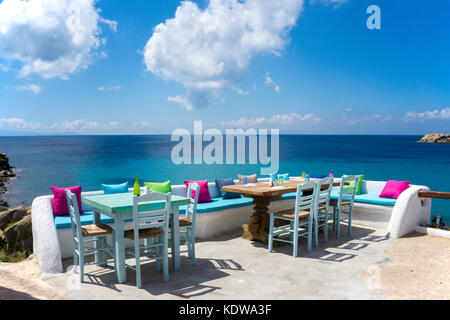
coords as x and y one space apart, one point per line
81 260
310 232
316 231
158 240
295 249
334 217
325 227
271 232
338 223
192 245
138 263
75 258
350 222
166 258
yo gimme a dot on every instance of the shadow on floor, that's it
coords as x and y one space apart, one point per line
9 294
331 251
186 284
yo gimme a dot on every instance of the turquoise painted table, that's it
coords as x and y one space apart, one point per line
120 208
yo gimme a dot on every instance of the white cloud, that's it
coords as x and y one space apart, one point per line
51 38
84 125
443 114
208 51
351 117
143 124
113 88
18 124
241 91
287 119
28 87
268 81
334 3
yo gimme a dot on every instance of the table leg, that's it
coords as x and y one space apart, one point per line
259 221
119 246
98 244
175 238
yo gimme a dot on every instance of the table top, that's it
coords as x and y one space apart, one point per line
123 202
262 189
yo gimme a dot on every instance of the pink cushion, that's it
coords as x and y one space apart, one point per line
59 201
392 189
204 195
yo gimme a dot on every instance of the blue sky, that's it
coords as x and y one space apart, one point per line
313 67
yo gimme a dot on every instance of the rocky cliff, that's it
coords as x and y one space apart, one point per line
6 173
435 138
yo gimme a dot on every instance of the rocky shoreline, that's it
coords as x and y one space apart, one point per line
16 238
6 173
435 138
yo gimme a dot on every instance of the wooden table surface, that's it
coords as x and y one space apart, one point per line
262 195
262 189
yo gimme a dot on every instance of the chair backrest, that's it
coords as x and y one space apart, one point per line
305 202
155 218
323 194
74 213
191 208
347 191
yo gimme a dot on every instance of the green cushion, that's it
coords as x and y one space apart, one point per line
163 187
360 181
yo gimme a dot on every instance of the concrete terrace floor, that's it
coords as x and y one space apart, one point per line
233 268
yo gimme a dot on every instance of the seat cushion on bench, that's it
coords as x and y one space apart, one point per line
220 204
371 198
290 195
63 222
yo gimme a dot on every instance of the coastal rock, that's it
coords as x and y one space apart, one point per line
435 138
11 216
4 162
6 173
2 239
19 236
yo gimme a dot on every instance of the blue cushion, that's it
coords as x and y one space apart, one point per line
290 195
317 176
220 183
220 204
284 175
370 198
63 222
115 188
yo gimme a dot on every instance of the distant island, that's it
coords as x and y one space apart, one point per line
435 138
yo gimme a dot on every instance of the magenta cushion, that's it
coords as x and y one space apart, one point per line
204 195
59 201
392 189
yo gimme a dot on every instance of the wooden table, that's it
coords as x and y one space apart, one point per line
120 208
262 195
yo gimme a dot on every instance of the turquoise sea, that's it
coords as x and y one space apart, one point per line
91 160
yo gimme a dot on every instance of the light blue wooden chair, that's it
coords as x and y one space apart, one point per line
88 240
343 210
187 223
150 224
301 216
321 212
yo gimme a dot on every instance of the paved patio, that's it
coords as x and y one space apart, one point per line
233 268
